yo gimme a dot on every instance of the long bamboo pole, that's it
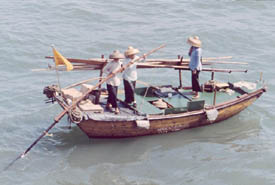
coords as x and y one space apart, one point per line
146 65
101 61
66 110
187 68
177 90
82 82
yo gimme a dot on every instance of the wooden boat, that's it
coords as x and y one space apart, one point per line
160 109
176 111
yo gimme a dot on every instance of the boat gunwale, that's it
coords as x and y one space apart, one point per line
134 131
222 105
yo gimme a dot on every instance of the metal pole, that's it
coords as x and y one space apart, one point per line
56 70
100 79
215 94
180 76
57 75
212 76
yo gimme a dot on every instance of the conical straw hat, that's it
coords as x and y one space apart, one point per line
116 55
194 41
131 51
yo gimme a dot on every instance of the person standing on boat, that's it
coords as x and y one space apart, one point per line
195 63
130 75
114 82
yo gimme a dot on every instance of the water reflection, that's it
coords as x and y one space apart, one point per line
84 152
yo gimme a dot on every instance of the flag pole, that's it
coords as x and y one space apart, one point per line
57 75
56 70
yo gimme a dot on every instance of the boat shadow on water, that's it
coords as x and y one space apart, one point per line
78 146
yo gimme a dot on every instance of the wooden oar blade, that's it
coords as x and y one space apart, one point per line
34 143
12 162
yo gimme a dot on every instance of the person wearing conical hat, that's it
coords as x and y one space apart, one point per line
195 65
114 82
130 75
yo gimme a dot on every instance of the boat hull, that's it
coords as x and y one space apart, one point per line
160 124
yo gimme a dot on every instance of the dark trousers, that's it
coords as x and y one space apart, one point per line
129 88
112 94
195 82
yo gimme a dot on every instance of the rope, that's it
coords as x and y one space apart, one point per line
75 115
50 90
144 96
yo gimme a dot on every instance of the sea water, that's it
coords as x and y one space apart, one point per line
237 151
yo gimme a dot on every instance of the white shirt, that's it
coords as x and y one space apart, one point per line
130 73
112 66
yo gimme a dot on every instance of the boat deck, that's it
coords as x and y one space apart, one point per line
125 114
178 101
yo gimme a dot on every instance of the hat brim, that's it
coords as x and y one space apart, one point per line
116 56
131 52
194 42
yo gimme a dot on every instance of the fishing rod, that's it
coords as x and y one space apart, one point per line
67 109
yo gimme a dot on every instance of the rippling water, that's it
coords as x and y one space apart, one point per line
237 151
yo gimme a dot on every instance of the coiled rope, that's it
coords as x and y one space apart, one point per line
75 115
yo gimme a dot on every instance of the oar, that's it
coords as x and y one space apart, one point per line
177 90
129 106
157 88
82 82
34 143
66 110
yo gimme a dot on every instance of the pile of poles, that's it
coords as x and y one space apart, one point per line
179 63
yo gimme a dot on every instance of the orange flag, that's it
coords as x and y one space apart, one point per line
60 60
